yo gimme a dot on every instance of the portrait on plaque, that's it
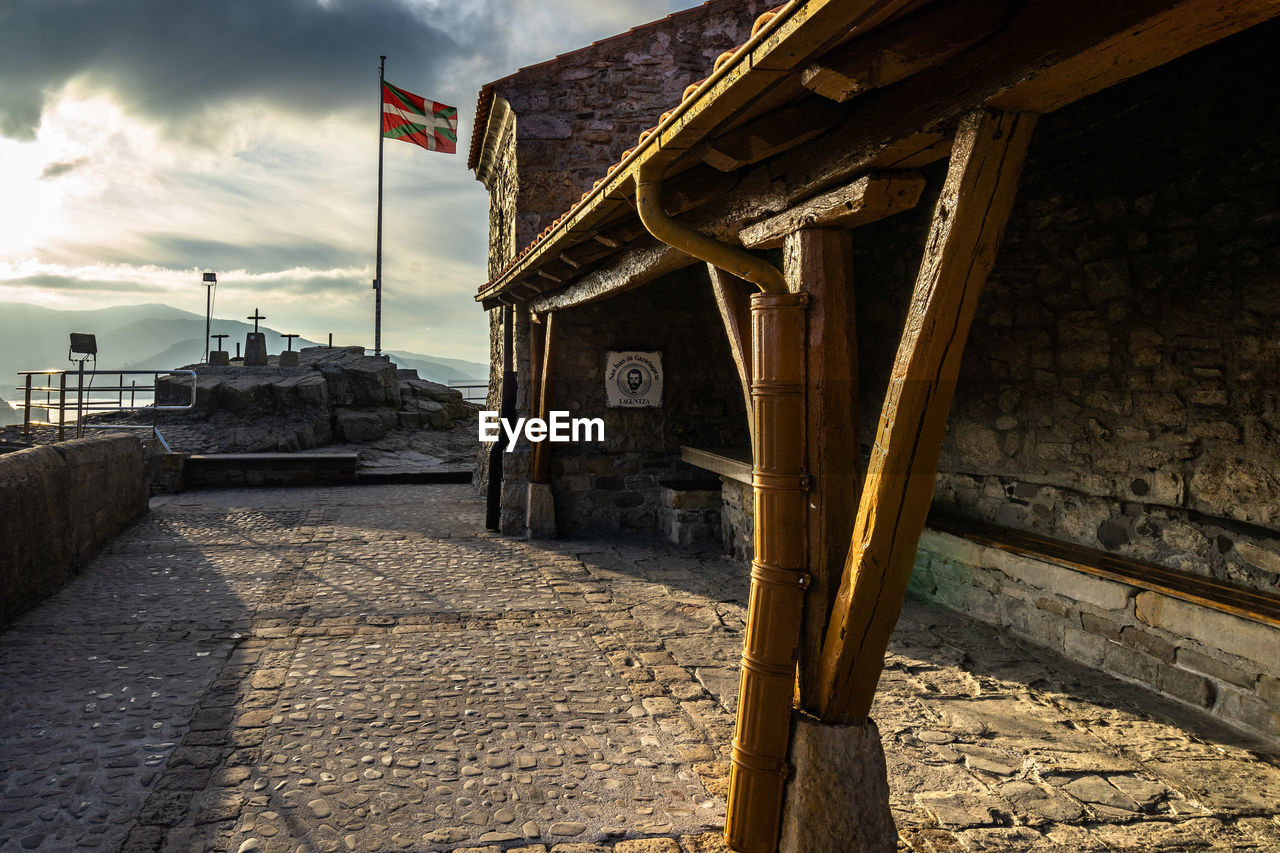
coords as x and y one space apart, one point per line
633 379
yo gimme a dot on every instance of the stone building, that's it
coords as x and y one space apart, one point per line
1099 471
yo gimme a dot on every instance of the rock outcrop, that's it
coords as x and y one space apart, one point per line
334 395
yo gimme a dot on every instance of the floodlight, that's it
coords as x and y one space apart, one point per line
84 344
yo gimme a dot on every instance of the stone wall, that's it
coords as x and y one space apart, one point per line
577 114
1211 660
1119 389
737 519
616 485
58 505
573 117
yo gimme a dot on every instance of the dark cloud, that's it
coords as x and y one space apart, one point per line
181 251
54 170
68 283
169 61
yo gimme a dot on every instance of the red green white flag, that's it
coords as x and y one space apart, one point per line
413 119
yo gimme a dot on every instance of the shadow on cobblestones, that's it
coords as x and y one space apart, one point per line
368 669
110 686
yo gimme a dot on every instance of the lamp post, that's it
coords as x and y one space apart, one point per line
210 282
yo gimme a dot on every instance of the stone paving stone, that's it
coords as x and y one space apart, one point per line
368 669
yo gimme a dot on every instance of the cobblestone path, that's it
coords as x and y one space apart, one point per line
367 669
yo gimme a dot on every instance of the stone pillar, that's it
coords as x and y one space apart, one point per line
255 349
219 358
515 464
288 358
540 520
837 797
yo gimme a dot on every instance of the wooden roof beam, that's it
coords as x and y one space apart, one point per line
904 48
771 134
1051 54
867 199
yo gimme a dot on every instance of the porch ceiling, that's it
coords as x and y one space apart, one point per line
828 90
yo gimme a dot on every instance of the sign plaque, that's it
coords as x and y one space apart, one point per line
633 380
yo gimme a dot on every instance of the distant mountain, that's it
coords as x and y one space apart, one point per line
154 337
9 415
465 369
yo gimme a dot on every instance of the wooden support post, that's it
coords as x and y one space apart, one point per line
758 772
968 223
819 262
545 350
733 299
536 342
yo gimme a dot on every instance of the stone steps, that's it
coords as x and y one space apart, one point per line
235 470
231 470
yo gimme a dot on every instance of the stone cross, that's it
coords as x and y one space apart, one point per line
219 338
289 340
255 317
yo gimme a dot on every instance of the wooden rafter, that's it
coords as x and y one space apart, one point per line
867 199
772 134
968 223
904 48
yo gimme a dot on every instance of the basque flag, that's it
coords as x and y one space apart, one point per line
413 119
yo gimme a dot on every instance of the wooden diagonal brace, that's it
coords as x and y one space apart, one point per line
733 299
968 223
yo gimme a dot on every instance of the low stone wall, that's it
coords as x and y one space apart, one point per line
1203 657
58 505
690 511
737 519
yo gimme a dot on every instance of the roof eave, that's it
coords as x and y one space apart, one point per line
777 47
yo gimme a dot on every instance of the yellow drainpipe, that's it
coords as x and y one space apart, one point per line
758 771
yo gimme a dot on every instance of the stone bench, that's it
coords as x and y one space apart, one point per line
690 511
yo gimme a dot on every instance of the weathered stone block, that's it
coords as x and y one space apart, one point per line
1147 643
1186 686
1268 561
58 505
1129 663
1269 690
255 349
1088 649
1100 626
541 518
1103 594
1248 710
359 426
691 497
35 559
951 547
107 489
838 795
1252 641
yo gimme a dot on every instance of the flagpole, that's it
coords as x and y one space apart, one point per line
377 280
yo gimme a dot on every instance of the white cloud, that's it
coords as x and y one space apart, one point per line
117 200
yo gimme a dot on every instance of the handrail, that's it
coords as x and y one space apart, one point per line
83 406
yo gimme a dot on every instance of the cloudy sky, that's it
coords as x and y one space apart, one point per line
144 141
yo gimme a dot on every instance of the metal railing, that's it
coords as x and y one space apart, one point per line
473 390
76 399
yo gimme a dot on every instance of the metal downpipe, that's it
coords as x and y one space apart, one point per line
758 770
